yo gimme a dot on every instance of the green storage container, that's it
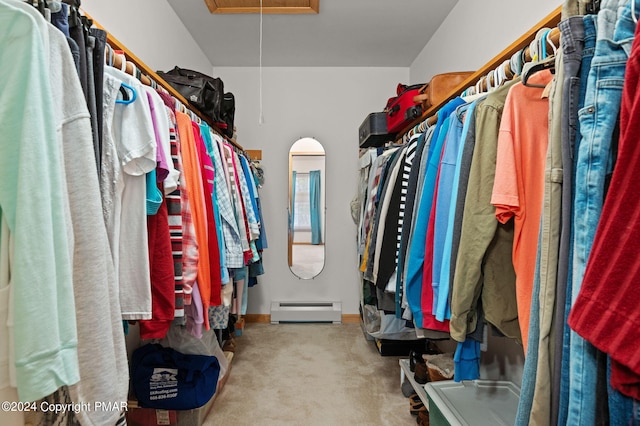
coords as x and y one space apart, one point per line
473 403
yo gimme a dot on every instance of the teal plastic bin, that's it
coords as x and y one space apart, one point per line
473 403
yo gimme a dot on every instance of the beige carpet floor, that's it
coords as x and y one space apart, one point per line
310 374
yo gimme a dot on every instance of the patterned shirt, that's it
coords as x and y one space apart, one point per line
174 207
230 232
181 228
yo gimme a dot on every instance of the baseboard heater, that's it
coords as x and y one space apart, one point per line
306 312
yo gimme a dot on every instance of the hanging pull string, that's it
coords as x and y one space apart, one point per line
261 117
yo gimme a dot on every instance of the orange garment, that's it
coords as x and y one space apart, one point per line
191 170
518 188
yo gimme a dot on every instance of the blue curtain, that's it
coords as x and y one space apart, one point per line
314 198
293 202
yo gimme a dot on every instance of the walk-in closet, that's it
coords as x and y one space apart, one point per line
319 212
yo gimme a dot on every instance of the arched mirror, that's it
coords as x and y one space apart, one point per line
306 208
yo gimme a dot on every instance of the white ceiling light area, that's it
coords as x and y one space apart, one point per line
345 33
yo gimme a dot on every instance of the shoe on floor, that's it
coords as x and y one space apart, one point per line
423 418
414 358
414 399
407 389
229 346
416 405
421 374
417 409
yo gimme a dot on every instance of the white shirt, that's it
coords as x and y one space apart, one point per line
129 152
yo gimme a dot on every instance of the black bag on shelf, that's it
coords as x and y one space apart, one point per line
202 91
373 130
228 112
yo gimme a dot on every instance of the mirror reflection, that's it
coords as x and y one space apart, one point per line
306 208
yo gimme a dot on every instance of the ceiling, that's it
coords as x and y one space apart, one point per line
346 33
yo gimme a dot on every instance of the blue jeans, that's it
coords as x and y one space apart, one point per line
587 56
597 120
573 36
623 411
529 373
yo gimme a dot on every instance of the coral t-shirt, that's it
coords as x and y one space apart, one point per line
518 188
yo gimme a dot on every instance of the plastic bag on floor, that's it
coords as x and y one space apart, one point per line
182 341
383 326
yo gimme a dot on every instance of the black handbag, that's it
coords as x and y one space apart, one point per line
202 91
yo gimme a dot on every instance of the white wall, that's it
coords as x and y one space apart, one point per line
474 32
151 30
328 104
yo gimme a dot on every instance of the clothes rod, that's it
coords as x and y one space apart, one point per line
550 21
149 74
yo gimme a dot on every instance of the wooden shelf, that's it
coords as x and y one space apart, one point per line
148 74
550 21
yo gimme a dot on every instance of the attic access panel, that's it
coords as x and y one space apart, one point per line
287 7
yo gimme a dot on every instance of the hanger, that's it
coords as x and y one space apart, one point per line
515 63
135 71
549 41
179 106
490 79
125 95
109 53
42 6
543 44
123 64
506 69
539 58
531 68
593 7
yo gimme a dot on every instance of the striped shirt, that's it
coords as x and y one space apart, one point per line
174 207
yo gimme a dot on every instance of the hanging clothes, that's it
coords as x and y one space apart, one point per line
41 270
199 213
97 324
129 153
416 255
594 157
597 122
108 219
174 200
522 148
414 187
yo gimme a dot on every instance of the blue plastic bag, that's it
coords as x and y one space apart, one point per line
164 378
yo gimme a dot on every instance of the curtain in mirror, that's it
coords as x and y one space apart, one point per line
314 206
